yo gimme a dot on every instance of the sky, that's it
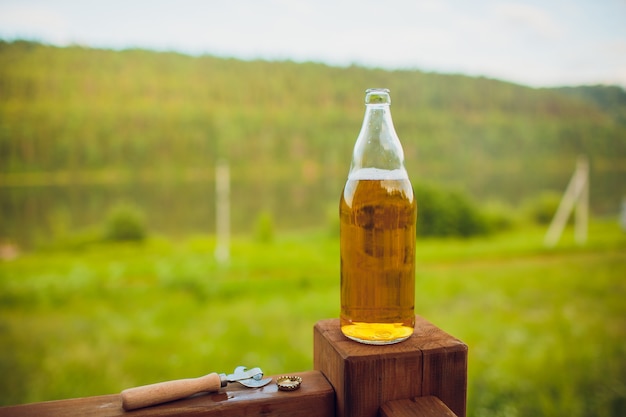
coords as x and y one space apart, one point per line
535 43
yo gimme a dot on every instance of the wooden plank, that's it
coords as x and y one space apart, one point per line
314 398
430 406
430 362
445 370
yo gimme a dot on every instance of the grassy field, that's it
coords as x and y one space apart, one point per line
546 328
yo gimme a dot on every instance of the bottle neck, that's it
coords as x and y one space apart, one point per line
378 147
377 121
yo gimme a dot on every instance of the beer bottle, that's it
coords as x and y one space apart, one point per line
377 233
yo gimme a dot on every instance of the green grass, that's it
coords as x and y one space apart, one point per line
545 327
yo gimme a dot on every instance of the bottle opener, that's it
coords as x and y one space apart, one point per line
147 395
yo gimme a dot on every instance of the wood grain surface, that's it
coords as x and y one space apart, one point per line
430 362
315 397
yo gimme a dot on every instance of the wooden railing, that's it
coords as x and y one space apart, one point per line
425 375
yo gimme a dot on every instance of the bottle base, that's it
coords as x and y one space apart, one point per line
377 333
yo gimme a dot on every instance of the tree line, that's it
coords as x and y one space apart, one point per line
164 116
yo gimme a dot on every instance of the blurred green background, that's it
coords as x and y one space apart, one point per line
107 222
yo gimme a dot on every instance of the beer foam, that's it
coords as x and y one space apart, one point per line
378 174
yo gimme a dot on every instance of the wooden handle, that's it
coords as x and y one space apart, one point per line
161 392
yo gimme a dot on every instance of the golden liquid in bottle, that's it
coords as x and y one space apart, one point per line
378 260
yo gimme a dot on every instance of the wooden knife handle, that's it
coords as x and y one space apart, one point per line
161 392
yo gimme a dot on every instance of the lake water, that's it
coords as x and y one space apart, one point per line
36 214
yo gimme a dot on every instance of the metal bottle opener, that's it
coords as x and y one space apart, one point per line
251 378
147 395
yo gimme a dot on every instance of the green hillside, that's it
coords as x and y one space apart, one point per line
91 117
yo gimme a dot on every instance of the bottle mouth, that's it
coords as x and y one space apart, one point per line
377 96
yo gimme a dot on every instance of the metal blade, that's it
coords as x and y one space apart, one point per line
255 383
251 378
241 373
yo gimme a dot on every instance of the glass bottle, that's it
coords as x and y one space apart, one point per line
378 213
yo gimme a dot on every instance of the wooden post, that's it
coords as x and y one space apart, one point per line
576 196
222 212
424 376
582 204
364 377
430 406
315 398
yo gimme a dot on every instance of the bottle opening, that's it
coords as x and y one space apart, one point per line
377 96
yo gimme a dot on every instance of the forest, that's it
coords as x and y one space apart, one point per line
81 127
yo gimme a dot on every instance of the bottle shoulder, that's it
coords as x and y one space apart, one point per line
367 191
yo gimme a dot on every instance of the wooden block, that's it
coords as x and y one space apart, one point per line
417 407
315 397
430 362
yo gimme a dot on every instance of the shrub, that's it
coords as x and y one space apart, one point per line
125 223
264 230
542 208
446 212
499 216
332 220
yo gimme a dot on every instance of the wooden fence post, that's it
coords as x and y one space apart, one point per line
222 211
576 197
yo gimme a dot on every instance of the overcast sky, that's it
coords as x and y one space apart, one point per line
536 43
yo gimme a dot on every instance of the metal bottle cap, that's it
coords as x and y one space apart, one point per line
288 383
